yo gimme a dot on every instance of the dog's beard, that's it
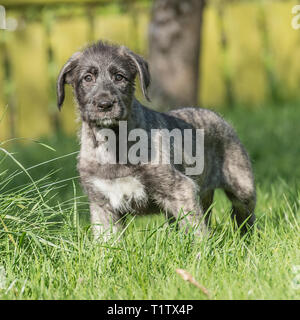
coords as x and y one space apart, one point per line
108 122
106 119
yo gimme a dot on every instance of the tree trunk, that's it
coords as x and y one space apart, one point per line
174 52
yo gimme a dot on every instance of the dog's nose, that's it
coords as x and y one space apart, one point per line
105 104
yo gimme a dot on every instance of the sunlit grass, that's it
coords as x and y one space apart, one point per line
45 259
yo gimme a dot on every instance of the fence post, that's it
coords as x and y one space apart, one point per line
134 25
267 58
48 20
9 86
90 13
226 68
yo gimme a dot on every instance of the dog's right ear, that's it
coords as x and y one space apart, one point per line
63 78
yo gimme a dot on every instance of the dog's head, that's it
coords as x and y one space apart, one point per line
103 78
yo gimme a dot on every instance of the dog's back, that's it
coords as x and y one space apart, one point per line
226 163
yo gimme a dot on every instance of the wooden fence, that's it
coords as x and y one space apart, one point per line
250 54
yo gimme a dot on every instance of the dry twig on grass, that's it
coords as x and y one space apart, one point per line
188 277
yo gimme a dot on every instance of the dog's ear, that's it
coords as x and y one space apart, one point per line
63 78
143 70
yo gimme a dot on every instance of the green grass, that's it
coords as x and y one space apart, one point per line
47 252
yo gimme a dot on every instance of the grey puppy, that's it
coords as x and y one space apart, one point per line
103 77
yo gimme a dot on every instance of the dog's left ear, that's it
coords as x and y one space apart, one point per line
143 70
63 78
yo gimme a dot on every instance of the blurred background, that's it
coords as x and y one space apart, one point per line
219 53
237 57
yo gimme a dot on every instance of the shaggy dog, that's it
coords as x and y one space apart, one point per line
103 78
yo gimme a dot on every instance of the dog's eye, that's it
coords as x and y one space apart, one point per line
119 77
88 78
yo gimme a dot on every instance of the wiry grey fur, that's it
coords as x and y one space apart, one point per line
114 189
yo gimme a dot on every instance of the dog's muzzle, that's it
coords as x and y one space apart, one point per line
104 105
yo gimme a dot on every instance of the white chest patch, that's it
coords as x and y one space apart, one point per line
121 192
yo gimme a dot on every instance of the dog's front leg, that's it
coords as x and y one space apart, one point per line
179 199
188 213
105 221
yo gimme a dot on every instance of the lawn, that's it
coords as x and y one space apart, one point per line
47 250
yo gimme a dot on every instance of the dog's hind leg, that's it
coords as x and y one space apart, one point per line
239 187
206 200
242 211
